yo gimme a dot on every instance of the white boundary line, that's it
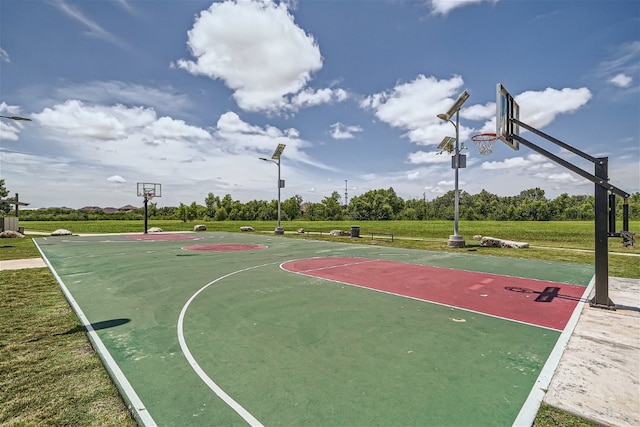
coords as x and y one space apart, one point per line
194 364
528 412
127 392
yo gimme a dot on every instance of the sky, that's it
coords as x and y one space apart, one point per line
191 94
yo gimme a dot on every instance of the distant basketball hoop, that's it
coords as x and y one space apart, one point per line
485 142
148 191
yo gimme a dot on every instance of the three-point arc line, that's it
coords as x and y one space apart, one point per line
429 284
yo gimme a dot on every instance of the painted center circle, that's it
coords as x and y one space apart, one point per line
224 247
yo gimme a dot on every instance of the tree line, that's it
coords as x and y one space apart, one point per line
381 204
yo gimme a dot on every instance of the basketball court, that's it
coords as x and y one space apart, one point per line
235 328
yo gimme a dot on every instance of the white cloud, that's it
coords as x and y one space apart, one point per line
4 55
114 91
94 30
413 175
258 51
423 157
78 121
621 80
309 97
414 107
479 112
626 63
538 109
531 161
443 7
9 129
116 179
562 178
341 131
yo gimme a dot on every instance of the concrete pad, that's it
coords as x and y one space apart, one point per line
598 377
16 264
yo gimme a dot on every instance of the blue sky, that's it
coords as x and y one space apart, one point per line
190 94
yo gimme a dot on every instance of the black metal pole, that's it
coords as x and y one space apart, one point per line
601 297
145 213
612 214
625 215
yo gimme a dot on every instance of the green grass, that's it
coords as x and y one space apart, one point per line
18 249
50 375
548 416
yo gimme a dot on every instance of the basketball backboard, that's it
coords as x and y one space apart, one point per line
149 190
506 110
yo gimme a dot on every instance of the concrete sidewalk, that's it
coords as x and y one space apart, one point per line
17 264
598 376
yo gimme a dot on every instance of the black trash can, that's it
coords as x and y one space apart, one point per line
355 231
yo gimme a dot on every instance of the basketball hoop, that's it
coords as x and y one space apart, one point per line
485 142
149 195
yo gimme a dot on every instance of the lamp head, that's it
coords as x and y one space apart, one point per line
17 118
455 107
278 152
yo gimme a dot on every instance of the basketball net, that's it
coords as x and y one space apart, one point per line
149 195
485 142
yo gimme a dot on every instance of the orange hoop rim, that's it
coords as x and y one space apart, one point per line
484 137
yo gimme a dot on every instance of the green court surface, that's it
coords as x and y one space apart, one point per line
230 338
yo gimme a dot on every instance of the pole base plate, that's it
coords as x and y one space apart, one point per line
456 241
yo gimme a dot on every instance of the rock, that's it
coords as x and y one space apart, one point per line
246 228
61 232
339 233
301 230
500 243
477 237
10 234
154 230
200 227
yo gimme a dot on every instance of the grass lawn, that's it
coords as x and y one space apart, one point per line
49 373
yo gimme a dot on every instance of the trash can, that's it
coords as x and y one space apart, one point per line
355 231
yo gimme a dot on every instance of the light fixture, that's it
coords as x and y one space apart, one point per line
16 118
457 162
276 160
455 107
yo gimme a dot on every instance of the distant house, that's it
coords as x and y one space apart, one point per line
127 208
91 208
110 210
63 208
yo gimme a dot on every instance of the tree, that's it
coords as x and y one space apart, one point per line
182 212
211 202
376 205
291 207
332 207
221 214
4 206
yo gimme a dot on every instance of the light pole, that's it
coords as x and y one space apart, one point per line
275 159
456 240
